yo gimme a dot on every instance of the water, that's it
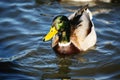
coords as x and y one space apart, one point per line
23 55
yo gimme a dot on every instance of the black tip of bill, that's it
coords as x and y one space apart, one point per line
43 39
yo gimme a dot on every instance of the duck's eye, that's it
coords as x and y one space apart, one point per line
60 22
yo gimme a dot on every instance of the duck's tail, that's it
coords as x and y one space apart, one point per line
74 18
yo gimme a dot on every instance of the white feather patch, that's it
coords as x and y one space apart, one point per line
62 44
90 14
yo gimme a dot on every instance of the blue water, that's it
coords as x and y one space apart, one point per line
24 56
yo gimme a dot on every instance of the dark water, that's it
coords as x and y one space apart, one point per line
23 55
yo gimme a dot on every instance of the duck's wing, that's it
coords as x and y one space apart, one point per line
81 22
75 17
82 26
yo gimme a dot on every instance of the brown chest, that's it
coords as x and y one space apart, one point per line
69 49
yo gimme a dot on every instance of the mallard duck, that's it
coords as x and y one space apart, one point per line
72 34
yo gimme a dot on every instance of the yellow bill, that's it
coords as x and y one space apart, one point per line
51 33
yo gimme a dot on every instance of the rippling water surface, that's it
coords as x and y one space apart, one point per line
23 55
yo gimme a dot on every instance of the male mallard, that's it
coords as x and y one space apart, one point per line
73 34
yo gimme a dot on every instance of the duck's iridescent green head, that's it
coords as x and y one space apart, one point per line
60 24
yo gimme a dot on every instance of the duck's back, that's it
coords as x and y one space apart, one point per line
83 34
